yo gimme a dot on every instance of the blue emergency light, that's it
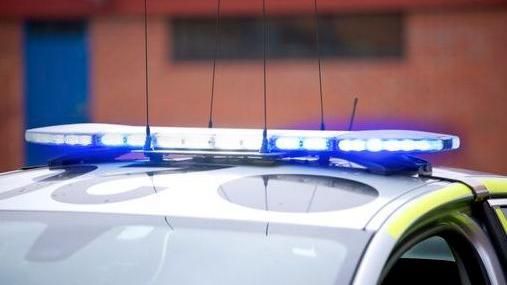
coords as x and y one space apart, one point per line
221 139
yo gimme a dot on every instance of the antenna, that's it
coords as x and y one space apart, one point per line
353 115
217 47
264 147
265 181
317 44
147 142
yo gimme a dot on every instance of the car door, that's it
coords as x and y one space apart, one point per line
449 250
431 240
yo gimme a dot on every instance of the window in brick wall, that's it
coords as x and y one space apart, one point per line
341 36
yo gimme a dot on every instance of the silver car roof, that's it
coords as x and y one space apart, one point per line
289 194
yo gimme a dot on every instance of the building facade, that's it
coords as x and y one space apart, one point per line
431 65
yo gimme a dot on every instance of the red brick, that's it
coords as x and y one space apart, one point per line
452 79
11 114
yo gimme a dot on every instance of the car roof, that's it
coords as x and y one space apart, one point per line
292 194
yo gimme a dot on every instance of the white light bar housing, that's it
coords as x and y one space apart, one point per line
247 140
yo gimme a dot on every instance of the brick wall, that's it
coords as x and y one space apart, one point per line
452 79
11 114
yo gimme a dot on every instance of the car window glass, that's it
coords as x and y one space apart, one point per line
429 262
502 216
67 248
432 248
444 258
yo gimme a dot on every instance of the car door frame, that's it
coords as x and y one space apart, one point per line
492 219
456 214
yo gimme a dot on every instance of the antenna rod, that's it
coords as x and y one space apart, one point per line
264 147
215 54
317 44
353 115
147 142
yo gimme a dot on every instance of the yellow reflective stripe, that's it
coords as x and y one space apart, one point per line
401 222
496 186
502 218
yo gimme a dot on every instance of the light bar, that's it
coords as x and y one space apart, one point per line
396 141
88 135
59 139
302 143
243 140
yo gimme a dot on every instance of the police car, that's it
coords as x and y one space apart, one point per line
236 206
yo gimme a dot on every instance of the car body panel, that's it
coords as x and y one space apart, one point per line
384 208
125 188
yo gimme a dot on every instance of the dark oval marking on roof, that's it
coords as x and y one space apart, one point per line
297 193
69 172
77 192
41 182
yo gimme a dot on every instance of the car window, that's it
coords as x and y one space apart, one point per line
433 248
430 261
439 259
502 216
495 221
52 248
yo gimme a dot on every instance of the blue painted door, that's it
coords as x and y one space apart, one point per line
56 79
